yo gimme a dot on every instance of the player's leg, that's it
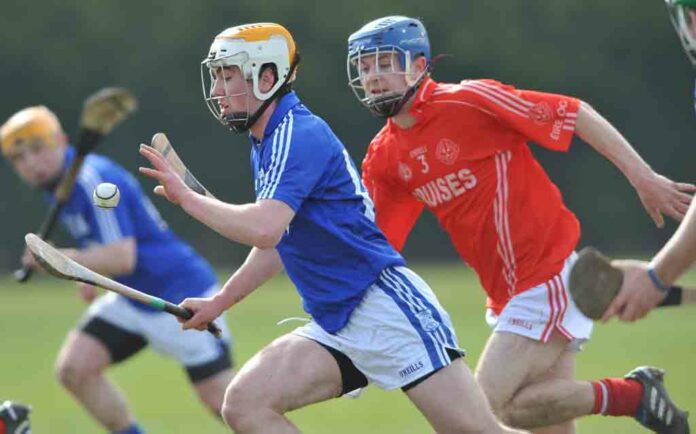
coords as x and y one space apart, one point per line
211 390
518 375
401 337
207 360
84 356
563 370
453 402
536 334
290 373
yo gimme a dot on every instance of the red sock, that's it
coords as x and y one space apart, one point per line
2 427
617 396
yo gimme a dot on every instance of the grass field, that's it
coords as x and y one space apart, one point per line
34 319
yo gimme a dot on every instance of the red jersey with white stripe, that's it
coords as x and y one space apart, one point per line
467 160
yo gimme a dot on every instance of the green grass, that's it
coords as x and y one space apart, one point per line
35 318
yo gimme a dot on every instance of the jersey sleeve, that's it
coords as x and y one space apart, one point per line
107 225
396 211
297 163
545 118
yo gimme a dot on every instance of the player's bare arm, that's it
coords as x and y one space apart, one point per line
260 266
113 259
658 194
259 224
639 292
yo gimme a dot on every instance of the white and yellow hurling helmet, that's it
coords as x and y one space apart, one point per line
249 47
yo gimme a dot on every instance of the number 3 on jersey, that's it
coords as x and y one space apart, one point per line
425 168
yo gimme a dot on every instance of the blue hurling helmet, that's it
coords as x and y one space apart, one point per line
403 36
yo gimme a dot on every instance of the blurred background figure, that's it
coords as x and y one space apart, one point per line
14 418
133 244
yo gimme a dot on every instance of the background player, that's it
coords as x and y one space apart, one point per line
642 291
372 318
132 244
14 418
461 150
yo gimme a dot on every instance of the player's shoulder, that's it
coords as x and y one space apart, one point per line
475 97
103 164
380 142
309 132
468 90
379 149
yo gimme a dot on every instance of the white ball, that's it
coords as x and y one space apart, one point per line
106 195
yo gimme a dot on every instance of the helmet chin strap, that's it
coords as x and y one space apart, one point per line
392 106
240 122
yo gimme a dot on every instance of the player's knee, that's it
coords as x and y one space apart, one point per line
237 410
69 374
239 417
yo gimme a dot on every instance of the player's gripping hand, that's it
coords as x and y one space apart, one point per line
205 310
171 186
14 418
661 195
638 295
28 260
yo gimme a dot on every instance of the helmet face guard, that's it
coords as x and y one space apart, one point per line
386 47
386 61
238 121
682 13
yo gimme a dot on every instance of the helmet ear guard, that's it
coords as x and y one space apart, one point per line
241 126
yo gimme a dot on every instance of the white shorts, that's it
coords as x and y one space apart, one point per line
161 330
398 334
537 312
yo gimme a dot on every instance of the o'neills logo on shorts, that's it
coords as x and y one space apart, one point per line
525 324
410 369
445 188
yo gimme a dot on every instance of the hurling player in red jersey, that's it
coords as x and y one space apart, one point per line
461 151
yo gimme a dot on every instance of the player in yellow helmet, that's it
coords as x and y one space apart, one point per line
373 319
132 244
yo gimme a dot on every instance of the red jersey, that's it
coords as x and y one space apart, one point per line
467 160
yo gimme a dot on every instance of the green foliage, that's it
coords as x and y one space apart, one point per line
34 320
621 56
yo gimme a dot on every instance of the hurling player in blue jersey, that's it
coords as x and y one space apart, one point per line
373 319
132 244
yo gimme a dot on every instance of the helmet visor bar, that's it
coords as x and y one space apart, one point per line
373 74
217 92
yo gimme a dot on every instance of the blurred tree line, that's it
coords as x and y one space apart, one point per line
622 57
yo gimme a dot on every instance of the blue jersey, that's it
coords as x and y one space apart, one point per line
165 267
332 250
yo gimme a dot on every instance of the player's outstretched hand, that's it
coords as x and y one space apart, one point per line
205 310
661 195
171 186
637 296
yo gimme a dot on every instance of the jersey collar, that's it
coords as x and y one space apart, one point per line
284 105
421 97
